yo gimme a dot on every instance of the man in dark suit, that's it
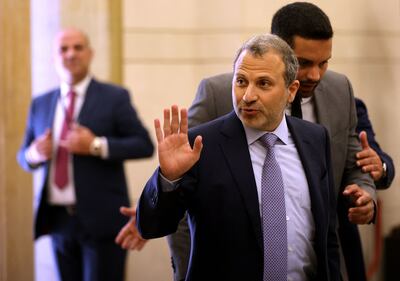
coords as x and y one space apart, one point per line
327 100
221 181
382 170
77 138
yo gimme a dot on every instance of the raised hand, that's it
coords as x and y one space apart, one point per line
174 151
362 211
368 159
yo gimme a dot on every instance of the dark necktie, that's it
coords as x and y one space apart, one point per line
61 169
296 107
273 215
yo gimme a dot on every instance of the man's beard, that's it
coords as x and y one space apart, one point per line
307 88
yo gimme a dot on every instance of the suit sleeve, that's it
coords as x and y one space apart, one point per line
158 212
364 124
333 246
352 173
131 139
29 137
203 109
213 99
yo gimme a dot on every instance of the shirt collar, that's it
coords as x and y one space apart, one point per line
79 89
304 101
282 132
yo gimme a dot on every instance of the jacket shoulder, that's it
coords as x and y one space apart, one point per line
46 96
108 87
335 78
224 77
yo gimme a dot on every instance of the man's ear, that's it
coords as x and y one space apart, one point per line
292 89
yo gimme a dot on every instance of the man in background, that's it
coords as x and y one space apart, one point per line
77 138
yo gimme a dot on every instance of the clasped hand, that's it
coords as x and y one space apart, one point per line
78 139
175 154
362 210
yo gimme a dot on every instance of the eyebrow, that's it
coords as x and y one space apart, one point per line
308 60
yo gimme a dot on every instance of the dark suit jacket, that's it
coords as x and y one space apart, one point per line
100 185
364 124
220 195
335 109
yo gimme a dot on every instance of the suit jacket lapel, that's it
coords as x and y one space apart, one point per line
53 104
309 158
235 149
322 107
89 102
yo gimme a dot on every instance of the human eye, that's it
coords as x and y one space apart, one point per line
323 64
240 81
79 47
304 63
63 49
264 83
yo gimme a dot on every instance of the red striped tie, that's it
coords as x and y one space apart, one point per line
61 173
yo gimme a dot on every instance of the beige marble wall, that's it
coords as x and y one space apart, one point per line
366 49
16 250
169 46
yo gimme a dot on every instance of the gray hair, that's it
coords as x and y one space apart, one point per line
262 44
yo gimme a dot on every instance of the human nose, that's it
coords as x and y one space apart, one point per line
314 73
250 94
70 52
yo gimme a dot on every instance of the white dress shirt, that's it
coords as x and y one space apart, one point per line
302 261
307 109
65 196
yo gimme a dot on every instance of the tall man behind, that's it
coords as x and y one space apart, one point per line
77 138
257 185
327 99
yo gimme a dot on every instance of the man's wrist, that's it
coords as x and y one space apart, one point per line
168 185
374 216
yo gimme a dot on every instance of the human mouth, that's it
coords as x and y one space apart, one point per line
308 86
248 111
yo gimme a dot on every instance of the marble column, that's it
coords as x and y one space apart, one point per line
16 247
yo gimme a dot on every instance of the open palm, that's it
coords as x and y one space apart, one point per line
174 151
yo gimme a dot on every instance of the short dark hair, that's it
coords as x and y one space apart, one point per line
302 19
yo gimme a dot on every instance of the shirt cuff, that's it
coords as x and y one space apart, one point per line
33 156
167 185
103 147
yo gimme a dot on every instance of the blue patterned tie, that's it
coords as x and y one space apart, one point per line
273 215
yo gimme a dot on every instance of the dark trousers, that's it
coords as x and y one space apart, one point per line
351 244
79 256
